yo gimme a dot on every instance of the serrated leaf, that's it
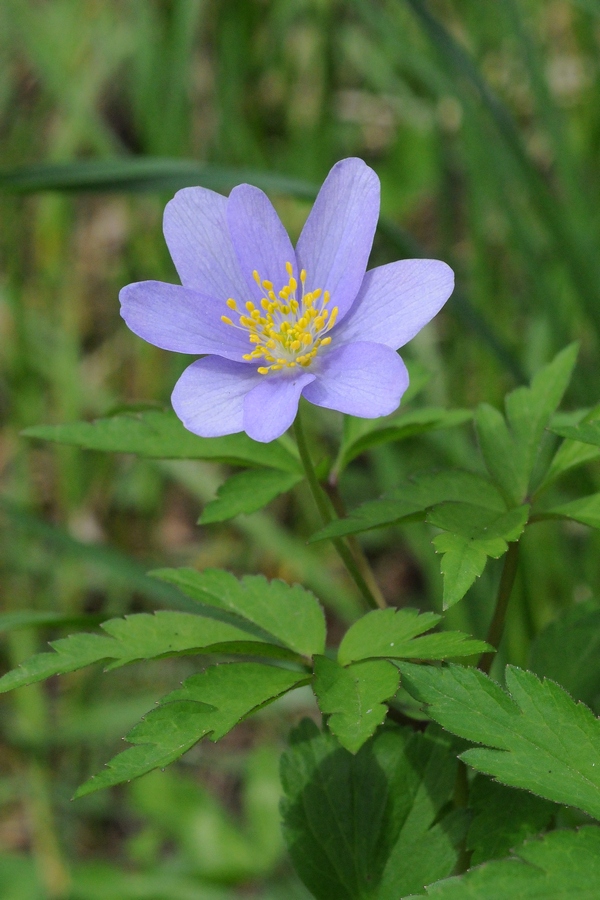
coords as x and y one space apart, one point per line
463 561
352 697
564 865
503 818
571 452
568 651
246 492
394 634
159 434
472 521
210 703
290 613
585 510
143 636
510 446
362 826
398 428
411 499
542 740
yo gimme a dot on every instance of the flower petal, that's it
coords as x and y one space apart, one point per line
362 379
196 232
178 319
271 407
209 396
396 301
260 240
336 240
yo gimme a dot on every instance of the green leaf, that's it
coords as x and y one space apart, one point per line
472 521
564 865
542 741
586 432
210 703
143 636
568 651
394 634
463 561
510 447
352 697
585 510
245 492
411 499
503 818
34 618
362 826
290 613
571 452
371 433
159 434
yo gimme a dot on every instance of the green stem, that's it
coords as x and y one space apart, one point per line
496 629
327 513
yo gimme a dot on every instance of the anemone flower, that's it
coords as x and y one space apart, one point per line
273 323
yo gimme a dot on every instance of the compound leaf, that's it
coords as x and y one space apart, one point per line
534 735
210 703
246 492
395 634
159 434
463 561
290 613
352 697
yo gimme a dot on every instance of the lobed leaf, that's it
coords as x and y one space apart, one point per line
352 697
561 866
463 561
362 826
585 510
210 703
246 492
395 634
159 434
536 737
289 613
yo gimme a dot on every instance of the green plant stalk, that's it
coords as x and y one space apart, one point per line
496 629
354 566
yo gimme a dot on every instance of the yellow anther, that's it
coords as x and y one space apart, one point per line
249 306
255 315
232 304
325 340
316 294
303 276
227 320
289 268
277 368
293 284
295 345
268 285
326 298
272 297
262 370
256 277
333 316
306 339
247 356
255 339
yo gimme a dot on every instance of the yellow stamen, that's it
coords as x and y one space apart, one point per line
227 320
262 370
232 304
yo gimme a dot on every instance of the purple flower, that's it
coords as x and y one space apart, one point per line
276 323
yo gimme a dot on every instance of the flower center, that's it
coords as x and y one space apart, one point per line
288 329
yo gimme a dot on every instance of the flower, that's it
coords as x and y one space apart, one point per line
274 323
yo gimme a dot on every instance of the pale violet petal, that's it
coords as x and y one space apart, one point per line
336 240
175 318
270 408
196 232
209 396
396 301
260 240
362 379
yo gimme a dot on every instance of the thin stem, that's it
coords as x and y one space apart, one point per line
496 629
328 515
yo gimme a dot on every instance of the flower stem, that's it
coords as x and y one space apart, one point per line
354 566
496 629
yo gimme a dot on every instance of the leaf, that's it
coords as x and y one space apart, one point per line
245 492
562 866
362 826
568 651
586 432
398 428
571 453
37 618
210 703
394 634
352 697
503 818
542 741
510 447
410 500
142 636
585 510
463 561
471 521
290 613
159 434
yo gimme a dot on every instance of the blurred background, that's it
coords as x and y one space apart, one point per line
482 121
